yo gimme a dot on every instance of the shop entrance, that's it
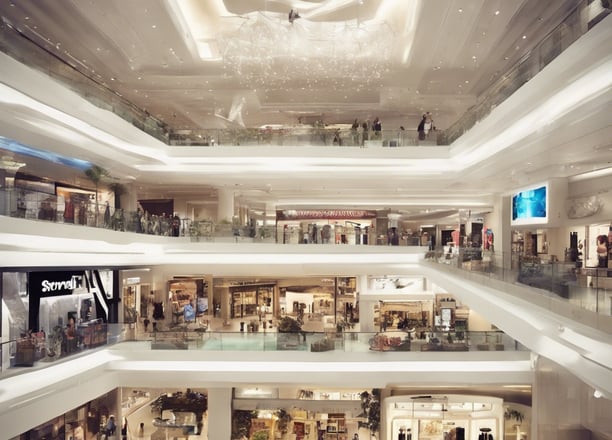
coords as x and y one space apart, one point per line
252 301
189 299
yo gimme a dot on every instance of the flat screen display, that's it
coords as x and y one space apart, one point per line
530 206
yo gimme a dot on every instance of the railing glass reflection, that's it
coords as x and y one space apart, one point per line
586 287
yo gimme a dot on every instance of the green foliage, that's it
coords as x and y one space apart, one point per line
514 414
241 422
289 325
283 420
370 404
260 435
96 173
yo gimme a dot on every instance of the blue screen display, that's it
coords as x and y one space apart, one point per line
529 204
25 150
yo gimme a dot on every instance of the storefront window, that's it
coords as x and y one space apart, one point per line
597 242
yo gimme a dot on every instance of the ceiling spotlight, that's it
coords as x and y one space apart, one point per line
597 394
496 12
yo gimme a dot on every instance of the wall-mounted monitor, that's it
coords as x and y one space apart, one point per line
530 206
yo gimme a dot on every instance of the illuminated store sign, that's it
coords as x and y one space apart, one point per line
324 214
50 286
55 283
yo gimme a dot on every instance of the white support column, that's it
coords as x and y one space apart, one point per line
129 200
366 306
270 214
8 169
219 413
225 205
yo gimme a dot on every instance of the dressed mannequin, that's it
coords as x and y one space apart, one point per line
401 435
602 250
485 434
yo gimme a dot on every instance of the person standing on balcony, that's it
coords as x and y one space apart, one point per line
377 128
429 124
354 132
366 128
421 128
176 225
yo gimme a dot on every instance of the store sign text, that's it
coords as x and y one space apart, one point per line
52 286
324 214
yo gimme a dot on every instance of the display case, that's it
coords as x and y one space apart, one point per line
251 300
93 333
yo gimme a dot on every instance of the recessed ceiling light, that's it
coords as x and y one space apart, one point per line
496 12
524 37
26 17
460 9
466 81
154 26
473 57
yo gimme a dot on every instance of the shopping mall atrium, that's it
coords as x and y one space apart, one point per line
306 219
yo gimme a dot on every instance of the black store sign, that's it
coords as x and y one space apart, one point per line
44 284
49 284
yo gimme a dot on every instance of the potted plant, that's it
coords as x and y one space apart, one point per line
195 231
370 405
96 173
283 418
241 423
511 413
288 334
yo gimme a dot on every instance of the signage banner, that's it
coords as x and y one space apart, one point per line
43 284
349 214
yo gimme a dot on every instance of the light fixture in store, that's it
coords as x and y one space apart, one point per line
7 163
597 394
